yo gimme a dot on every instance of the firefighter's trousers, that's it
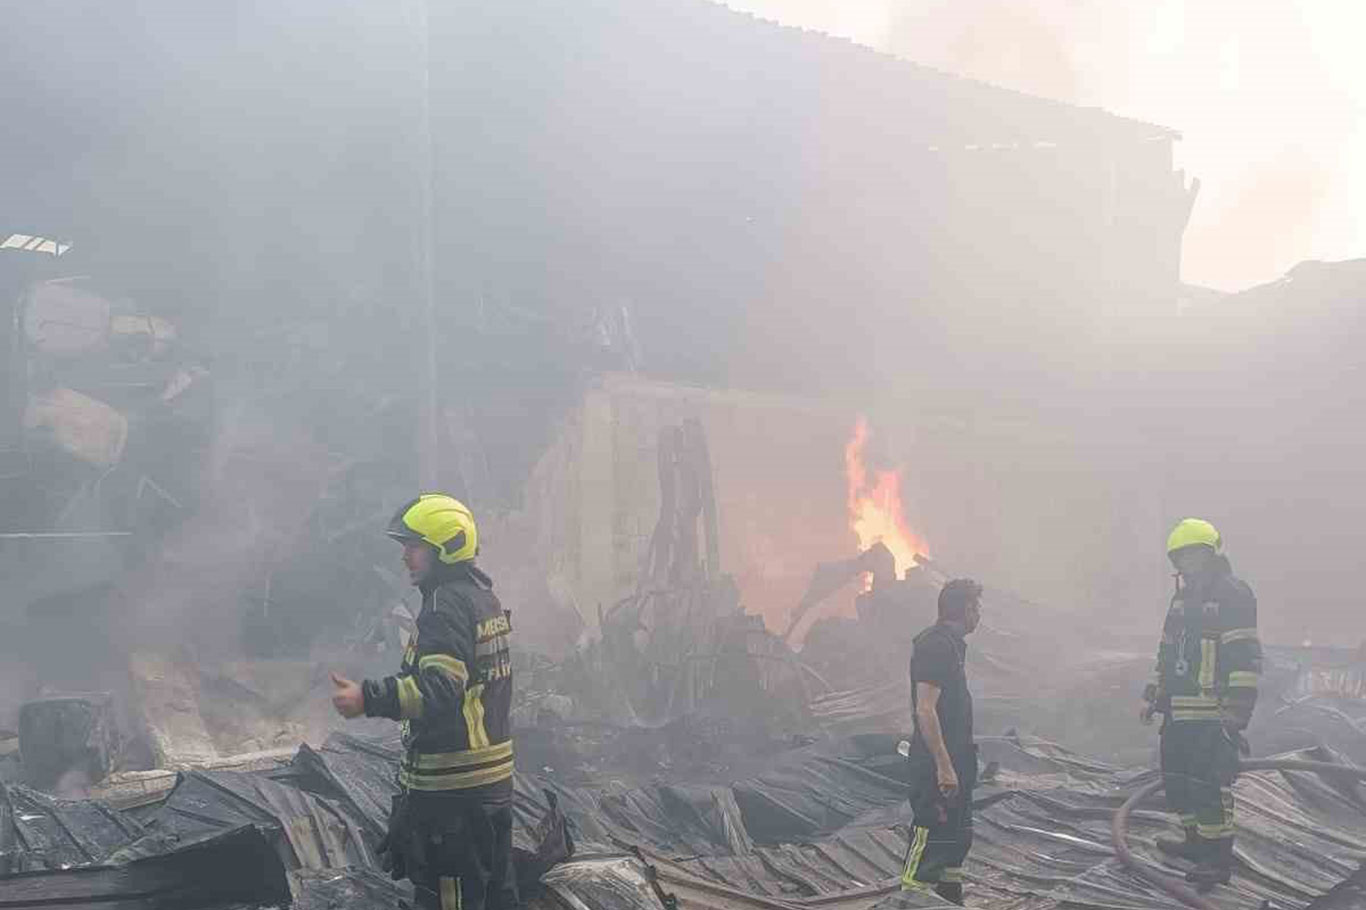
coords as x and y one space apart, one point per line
458 853
941 833
1199 763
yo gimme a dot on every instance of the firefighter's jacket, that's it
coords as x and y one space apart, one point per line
454 689
1210 657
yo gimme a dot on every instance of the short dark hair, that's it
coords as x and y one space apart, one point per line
957 595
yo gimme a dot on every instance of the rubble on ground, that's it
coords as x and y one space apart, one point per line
822 824
753 772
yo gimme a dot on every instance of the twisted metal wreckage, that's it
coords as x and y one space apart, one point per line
820 829
819 821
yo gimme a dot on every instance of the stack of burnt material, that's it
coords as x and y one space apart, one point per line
68 743
683 644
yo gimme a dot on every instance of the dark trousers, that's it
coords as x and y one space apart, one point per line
459 854
1199 763
941 835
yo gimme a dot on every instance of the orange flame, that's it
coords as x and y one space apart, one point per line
875 512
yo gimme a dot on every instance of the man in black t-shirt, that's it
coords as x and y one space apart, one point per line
943 757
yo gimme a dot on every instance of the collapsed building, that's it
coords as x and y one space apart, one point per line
621 275
686 227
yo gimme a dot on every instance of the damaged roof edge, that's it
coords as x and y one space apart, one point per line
1133 128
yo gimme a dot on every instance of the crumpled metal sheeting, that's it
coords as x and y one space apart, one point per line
812 794
355 779
914 900
346 889
1041 841
856 857
1030 755
38 831
643 813
812 797
665 819
1037 849
309 831
1347 895
712 810
607 882
234 869
360 773
1025 838
1341 800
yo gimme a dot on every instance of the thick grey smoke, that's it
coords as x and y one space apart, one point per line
1270 99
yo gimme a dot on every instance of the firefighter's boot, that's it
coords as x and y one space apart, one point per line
950 891
1192 848
1216 867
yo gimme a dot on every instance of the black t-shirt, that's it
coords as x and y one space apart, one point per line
938 657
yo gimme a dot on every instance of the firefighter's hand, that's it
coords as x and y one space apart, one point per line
1235 720
347 697
948 782
1145 716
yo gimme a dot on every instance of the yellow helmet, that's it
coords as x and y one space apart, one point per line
1194 532
442 521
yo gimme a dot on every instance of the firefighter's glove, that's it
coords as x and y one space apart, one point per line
1235 718
1145 713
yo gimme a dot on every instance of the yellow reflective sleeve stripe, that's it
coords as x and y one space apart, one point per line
409 698
1239 635
914 852
1208 649
451 666
455 780
474 717
451 896
450 761
952 874
1242 679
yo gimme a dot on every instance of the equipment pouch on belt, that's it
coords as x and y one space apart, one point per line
396 842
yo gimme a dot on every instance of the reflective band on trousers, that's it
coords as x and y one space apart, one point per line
451 896
913 856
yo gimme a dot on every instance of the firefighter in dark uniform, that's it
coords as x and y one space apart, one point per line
943 756
451 829
1205 687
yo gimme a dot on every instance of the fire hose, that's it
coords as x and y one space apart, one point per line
1119 828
